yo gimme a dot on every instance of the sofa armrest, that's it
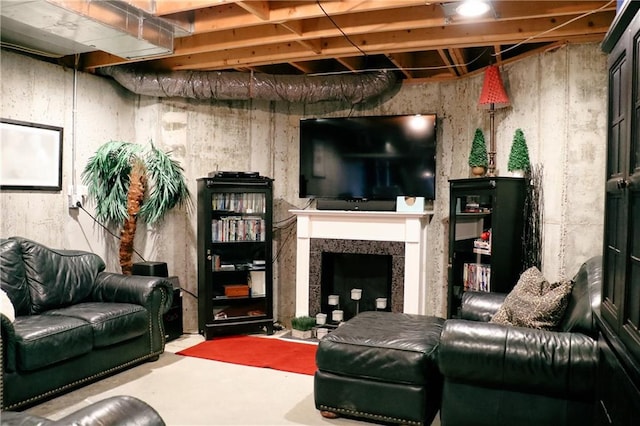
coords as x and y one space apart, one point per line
17 418
154 293
518 358
141 290
480 305
8 344
116 410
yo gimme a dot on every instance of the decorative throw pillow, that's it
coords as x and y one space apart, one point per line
534 302
6 306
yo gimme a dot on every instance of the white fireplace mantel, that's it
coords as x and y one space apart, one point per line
407 227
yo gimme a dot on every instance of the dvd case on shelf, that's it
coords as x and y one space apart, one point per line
476 277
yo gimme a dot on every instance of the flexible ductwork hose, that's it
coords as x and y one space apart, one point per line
351 88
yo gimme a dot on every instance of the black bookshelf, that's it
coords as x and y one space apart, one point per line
235 274
486 223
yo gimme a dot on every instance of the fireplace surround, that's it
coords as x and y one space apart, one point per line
317 269
403 235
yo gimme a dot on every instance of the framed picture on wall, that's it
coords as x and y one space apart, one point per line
30 156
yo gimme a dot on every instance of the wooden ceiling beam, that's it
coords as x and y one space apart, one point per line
459 61
289 32
389 14
268 55
303 67
169 7
428 39
260 9
295 27
221 60
404 62
537 30
497 53
231 16
265 57
352 63
313 45
446 59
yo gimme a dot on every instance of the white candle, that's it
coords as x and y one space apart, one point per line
381 302
321 332
356 293
321 318
333 299
337 315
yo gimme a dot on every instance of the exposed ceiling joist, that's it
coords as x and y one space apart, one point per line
418 39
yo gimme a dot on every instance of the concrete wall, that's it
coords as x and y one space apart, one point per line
558 100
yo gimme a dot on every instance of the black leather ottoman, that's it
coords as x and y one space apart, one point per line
381 366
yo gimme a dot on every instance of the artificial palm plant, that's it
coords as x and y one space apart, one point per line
128 182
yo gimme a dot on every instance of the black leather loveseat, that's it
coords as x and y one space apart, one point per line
498 374
74 323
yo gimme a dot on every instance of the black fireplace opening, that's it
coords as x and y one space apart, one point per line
343 272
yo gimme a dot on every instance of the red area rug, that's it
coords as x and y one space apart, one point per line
262 352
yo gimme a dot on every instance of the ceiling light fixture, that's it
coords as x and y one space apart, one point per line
472 8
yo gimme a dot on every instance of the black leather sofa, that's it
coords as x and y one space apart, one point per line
74 323
503 375
113 411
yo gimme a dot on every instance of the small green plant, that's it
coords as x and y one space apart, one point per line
303 323
478 156
519 155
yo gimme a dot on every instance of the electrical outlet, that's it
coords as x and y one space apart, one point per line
76 196
75 201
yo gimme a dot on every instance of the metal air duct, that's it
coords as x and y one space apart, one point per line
65 27
352 88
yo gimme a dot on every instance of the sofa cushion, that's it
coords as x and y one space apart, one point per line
111 322
534 302
58 278
43 340
13 278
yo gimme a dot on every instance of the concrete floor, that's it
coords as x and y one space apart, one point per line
192 391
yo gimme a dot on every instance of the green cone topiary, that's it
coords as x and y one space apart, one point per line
519 155
478 156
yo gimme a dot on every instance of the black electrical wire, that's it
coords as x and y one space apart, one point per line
188 292
340 29
278 224
106 229
79 205
282 246
286 225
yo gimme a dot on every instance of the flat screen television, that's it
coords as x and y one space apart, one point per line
368 158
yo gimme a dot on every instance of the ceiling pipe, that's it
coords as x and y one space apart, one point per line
352 88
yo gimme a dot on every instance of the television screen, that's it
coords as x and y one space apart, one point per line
373 158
